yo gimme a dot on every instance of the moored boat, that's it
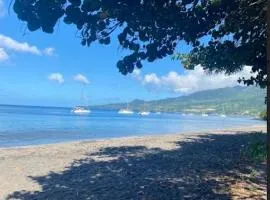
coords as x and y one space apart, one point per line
80 110
125 111
144 113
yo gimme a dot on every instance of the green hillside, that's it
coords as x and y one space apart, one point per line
230 100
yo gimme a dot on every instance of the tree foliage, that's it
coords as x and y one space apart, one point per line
151 29
263 115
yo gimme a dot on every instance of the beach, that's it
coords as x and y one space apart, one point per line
197 165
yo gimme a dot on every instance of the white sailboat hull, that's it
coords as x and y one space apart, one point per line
144 113
125 112
80 111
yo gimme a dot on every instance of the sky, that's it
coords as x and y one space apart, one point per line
53 69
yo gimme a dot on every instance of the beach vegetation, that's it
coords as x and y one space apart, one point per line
256 149
263 115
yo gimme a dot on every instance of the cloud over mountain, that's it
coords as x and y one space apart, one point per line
191 81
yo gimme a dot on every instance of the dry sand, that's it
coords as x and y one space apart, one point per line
205 165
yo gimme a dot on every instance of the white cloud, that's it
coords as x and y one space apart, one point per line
3 55
9 43
56 77
136 74
151 79
2 9
192 80
49 51
81 78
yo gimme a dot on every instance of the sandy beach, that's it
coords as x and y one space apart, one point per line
199 165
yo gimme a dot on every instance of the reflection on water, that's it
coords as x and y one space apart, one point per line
23 125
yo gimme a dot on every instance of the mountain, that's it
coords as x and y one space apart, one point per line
230 100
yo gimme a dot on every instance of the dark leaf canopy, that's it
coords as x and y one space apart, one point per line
151 29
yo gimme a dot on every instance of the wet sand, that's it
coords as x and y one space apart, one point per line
199 165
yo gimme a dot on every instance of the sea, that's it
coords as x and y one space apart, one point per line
32 125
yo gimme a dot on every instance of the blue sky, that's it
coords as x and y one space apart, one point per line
29 74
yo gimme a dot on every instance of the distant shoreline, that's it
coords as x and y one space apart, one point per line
97 108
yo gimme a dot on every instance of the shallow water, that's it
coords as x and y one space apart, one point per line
26 125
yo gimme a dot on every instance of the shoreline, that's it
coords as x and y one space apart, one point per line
202 132
52 170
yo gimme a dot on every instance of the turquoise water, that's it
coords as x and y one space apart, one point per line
26 125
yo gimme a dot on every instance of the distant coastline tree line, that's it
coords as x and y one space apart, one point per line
224 35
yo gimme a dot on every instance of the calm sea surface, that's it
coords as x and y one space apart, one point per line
25 125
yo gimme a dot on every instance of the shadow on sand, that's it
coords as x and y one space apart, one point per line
202 168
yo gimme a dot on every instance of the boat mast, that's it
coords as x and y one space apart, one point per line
144 106
84 98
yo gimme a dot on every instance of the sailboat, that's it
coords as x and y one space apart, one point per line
125 111
81 110
144 113
158 112
223 115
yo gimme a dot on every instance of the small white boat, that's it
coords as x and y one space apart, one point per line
83 109
125 112
204 115
223 111
158 108
80 110
144 113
